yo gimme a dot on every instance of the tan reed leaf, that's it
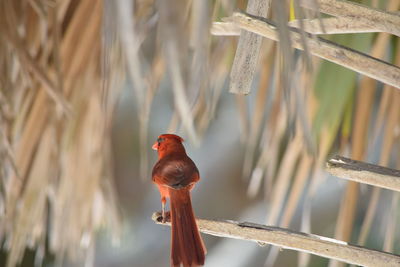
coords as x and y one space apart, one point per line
282 182
369 216
270 140
28 61
60 159
300 180
82 159
382 112
25 149
30 218
390 235
258 110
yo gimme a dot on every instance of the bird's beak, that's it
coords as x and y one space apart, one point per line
155 146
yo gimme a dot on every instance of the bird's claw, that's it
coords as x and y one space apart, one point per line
166 217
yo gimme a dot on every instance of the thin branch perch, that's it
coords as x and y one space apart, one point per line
365 173
285 238
346 57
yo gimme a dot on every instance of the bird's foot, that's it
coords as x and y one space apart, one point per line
158 216
166 217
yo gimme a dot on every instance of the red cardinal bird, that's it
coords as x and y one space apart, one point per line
175 175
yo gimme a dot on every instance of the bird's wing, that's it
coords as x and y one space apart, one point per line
175 173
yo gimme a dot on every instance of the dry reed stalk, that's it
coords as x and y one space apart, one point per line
365 173
359 62
247 52
333 25
374 18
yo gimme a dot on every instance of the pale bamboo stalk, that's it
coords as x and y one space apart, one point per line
288 239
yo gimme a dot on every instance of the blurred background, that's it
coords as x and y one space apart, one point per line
87 86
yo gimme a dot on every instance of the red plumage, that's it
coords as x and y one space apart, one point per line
175 174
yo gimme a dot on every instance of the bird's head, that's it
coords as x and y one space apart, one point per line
168 143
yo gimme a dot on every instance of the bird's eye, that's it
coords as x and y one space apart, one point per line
160 140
